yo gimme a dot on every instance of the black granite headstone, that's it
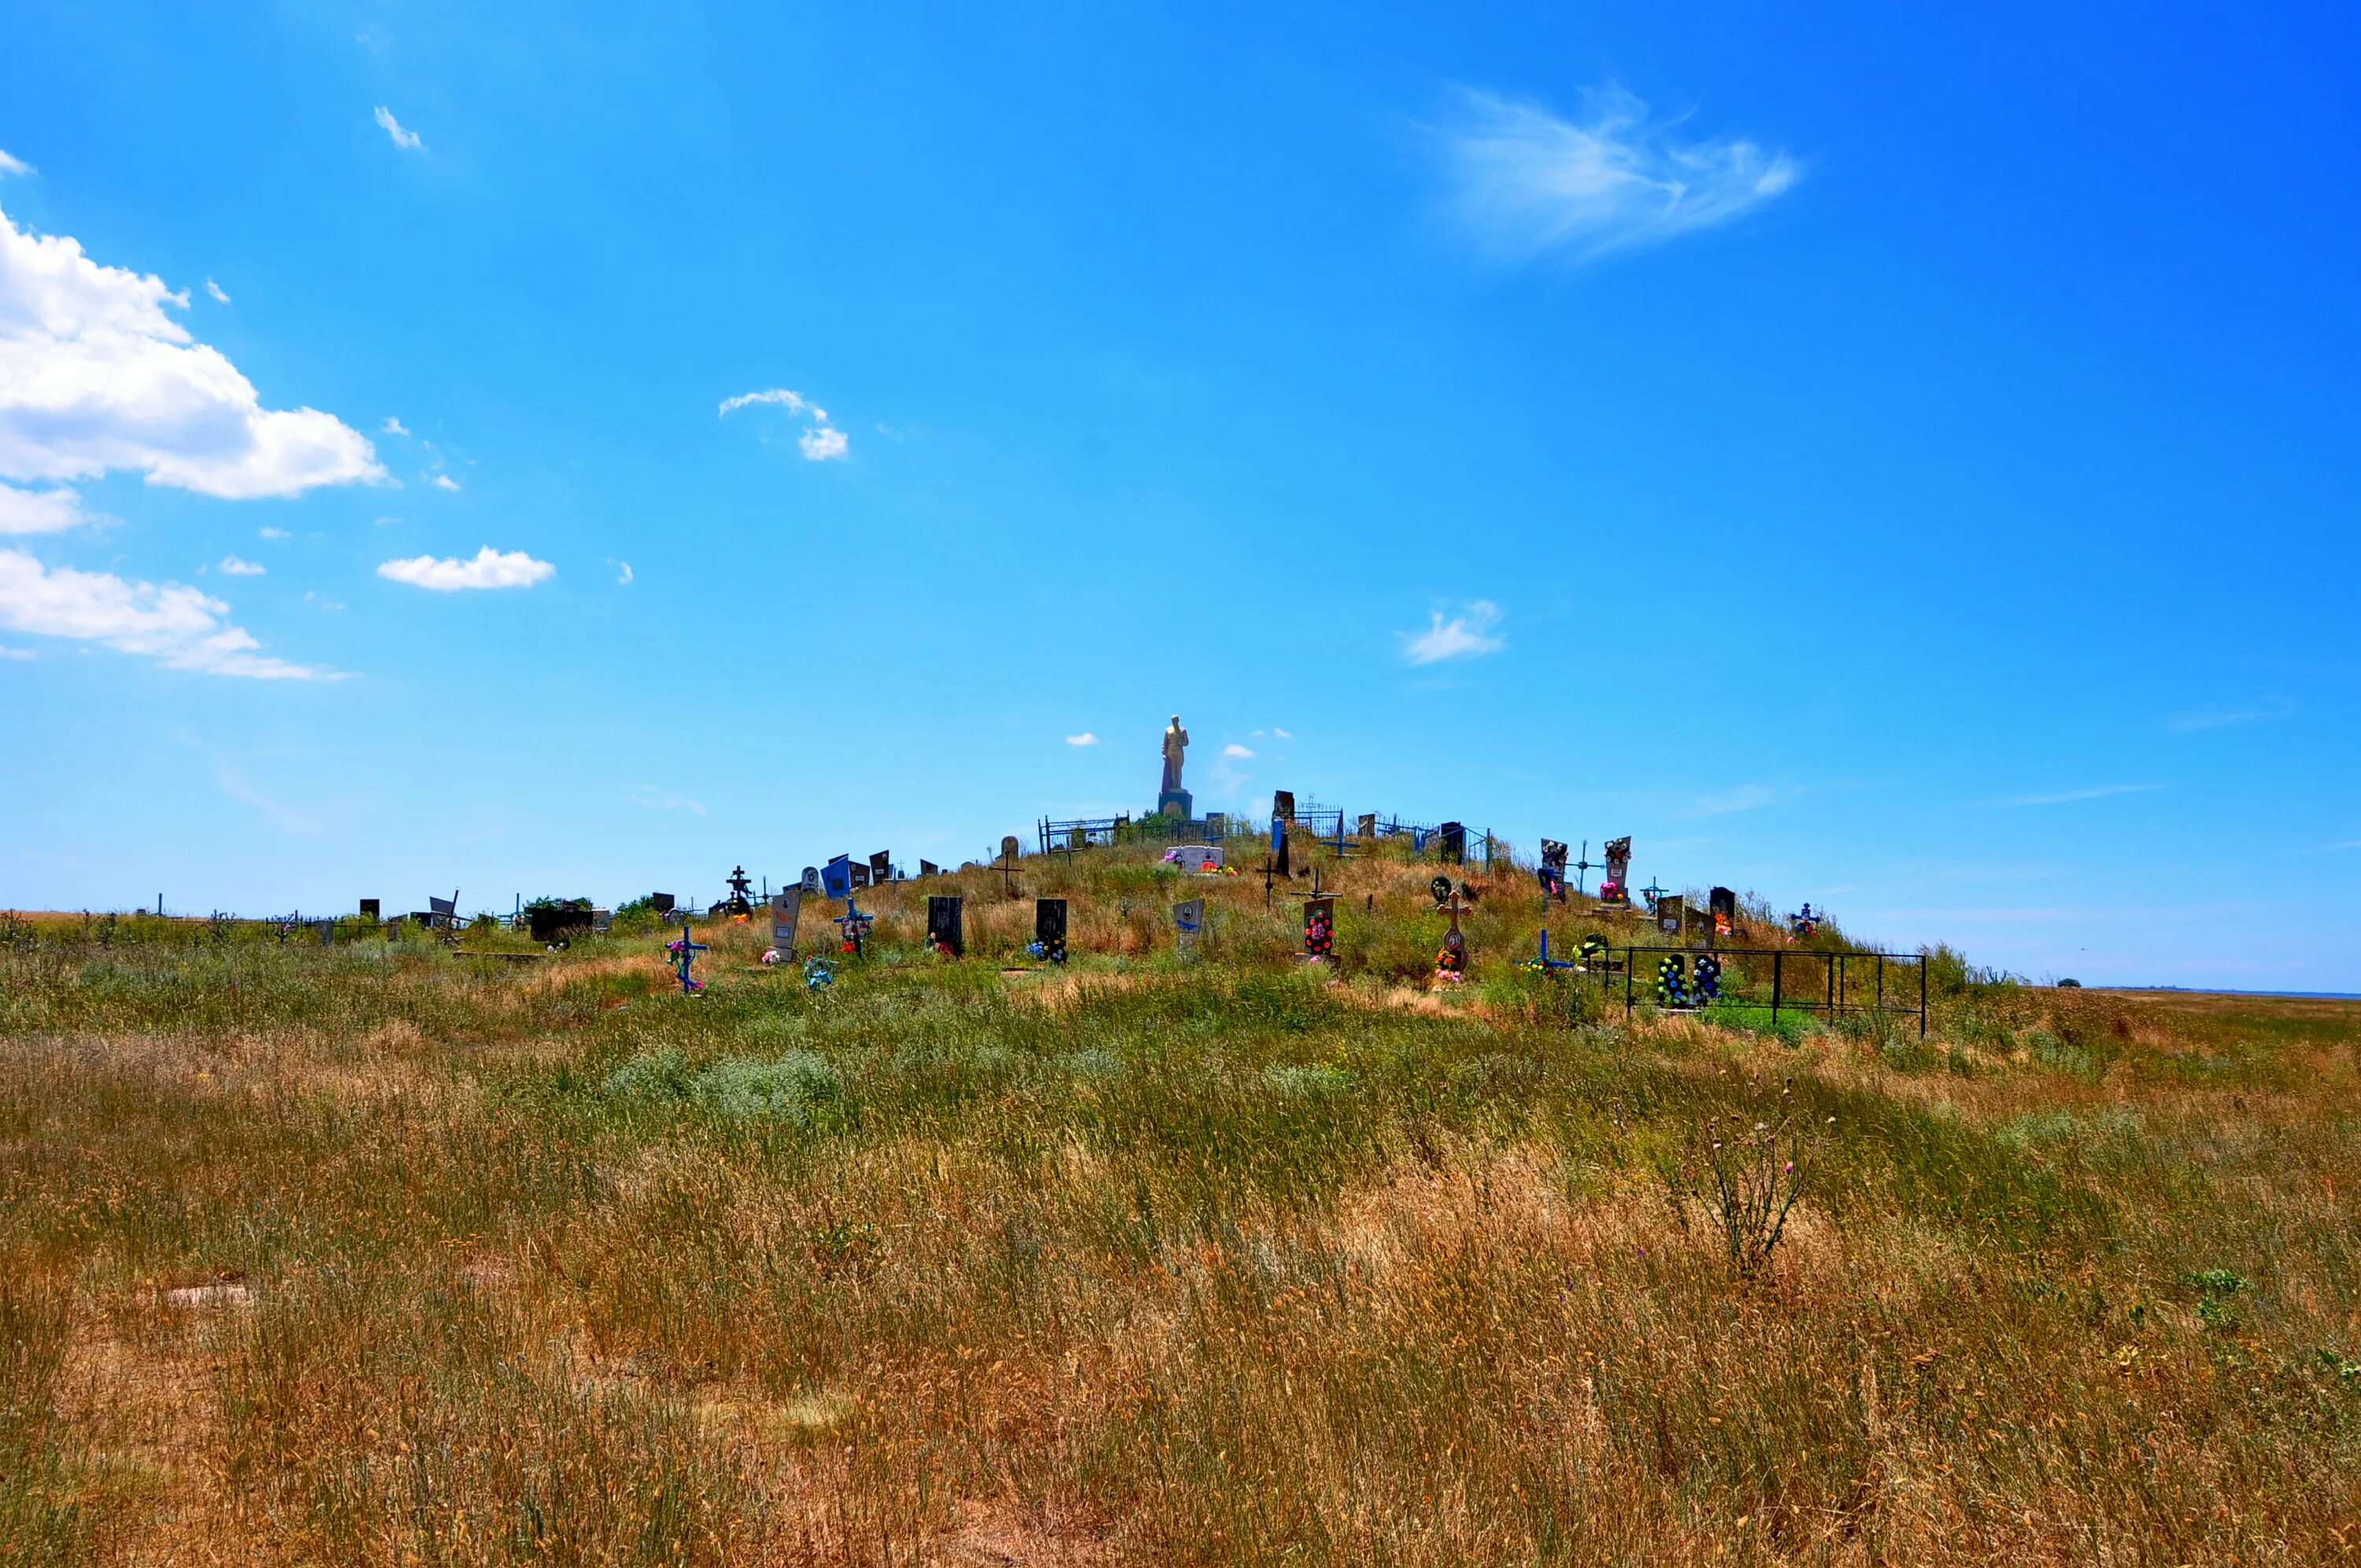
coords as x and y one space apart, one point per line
944 932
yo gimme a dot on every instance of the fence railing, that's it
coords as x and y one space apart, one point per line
1793 980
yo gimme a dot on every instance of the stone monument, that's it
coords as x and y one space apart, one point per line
1170 798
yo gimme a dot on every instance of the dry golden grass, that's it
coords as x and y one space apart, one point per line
390 1255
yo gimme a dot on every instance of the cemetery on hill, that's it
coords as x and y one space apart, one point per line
1323 1186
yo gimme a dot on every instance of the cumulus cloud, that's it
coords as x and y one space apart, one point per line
1465 636
95 375
820 443
1235 749
1084 739
234 567
1524 182
490 568
443 481
174 624
393 426
38 511
403 139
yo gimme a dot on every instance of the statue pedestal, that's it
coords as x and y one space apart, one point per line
1177 803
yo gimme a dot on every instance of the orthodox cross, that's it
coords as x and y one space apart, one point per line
685 951
1583 868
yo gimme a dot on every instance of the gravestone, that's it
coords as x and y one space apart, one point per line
1187 920
1612 887
1441 887
881 868
1724 904
327 931
786 909
1279 826
1283 806
859 872
1217 825
1049 929
662 903
1195 857
1668 913
441 911
1320 930
945 932
836 880
369 907
929 868
1455 843
1366 827
811 881
1552 870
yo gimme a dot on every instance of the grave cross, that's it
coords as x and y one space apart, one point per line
684 952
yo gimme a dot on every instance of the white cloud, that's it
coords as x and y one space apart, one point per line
2217 717
16 653
443 481
176 625
820 443
1464 636
794 403
1084 739
273 532
656 799
489 569
623 580
231 566
2068 796
393 426
1525 182
94 376
38 511
405 139
1235 749
221 295
14 165
1283 734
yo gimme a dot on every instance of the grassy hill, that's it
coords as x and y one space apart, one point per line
402 1252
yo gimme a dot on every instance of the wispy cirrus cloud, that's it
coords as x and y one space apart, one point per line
2220 716
1524 182
656 799
1467 635
2068 796
174 624
9 165
404 138
488 569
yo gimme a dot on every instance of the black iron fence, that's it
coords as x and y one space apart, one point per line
1791 980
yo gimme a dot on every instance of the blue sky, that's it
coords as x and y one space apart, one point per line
1902 462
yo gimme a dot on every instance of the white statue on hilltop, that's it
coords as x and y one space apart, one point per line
1176 742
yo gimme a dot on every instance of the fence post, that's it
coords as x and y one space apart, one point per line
1922 996
1777 962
